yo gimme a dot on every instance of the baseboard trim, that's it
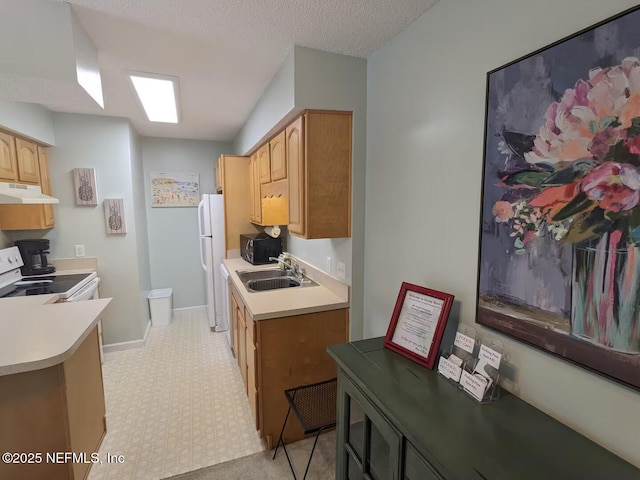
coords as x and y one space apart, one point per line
187 309
118 347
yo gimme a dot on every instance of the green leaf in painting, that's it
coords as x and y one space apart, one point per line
587 226
579 204
531 178
634 129
518 243
569 174
607 121
593 127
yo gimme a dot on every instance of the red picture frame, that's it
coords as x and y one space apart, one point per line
414 332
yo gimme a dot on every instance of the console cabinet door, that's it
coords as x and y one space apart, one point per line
264 162
369 445
28 164
45 183
8 162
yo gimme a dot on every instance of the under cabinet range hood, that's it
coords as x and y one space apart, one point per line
18 193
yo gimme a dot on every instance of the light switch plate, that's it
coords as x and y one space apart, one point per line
328 264
342 270
79 250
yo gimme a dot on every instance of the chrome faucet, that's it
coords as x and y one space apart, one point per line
289 266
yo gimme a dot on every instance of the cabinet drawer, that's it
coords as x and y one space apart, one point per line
416 467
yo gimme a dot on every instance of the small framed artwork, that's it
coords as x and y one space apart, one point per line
84 183
114 215
178 189
418 322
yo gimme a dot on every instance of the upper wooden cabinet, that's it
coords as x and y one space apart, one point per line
8 161
278 157
236 185
318 147
255 191
29 217
264 162
219 174
28 163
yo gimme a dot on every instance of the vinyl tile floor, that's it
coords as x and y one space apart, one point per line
176 405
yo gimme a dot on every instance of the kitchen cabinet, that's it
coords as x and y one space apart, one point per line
282 353
256 205
399 420
28 164
218 175
318 150
31 217
8 159
235 184
56 409
278 157
264 164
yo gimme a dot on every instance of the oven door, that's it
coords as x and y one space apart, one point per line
88 292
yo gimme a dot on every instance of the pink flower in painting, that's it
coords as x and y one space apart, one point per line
590 117
615 186
633 144
503 211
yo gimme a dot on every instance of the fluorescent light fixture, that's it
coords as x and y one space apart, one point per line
157 94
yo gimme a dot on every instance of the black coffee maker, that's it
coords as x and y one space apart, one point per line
34 255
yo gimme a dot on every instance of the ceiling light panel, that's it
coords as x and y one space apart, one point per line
158 96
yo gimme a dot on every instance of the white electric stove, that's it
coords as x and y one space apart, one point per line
70 288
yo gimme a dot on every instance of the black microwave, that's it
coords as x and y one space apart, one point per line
256 248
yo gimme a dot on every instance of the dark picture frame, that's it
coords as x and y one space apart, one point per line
560 204
413 332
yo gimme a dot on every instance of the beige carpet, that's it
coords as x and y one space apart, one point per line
259 466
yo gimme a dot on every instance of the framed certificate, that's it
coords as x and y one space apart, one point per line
418 322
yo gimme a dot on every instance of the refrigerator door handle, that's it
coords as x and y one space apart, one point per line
201 221
202 262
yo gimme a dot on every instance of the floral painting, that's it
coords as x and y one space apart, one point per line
559 264
175 189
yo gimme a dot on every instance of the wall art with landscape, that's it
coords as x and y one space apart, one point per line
559 264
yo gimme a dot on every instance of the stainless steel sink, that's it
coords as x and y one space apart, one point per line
272 279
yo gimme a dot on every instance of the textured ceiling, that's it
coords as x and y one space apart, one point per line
225 53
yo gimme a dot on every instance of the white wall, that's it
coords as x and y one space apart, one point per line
28 119
274 104
140 219
103 143
338 82
173 232
425 127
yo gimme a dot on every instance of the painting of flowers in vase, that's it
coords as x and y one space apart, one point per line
559 264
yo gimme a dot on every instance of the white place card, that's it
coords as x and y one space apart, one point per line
449 369
465 342
476 385
490 356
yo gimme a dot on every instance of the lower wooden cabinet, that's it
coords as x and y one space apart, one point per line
280 353
55 409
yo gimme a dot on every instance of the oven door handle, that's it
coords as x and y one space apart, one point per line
86 292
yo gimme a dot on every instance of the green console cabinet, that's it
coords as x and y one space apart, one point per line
400 421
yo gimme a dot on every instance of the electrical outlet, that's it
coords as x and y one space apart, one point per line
79 250
328 264
342 270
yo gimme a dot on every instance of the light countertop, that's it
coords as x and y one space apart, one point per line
36 332
329 294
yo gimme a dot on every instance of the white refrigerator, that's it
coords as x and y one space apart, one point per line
211 226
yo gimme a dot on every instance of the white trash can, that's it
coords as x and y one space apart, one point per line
160 304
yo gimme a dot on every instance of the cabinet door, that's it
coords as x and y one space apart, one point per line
416 467
252 187
278 157
257 203
242 347
234 326
219 174
45 183
368 444
295 159
28 165
252 362
264 162
8 162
